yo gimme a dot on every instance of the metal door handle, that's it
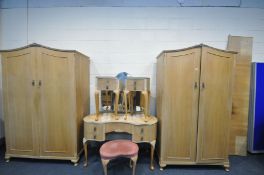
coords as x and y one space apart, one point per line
195 85
40 83
203 85
33 83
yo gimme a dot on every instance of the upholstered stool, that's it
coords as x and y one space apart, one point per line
119 148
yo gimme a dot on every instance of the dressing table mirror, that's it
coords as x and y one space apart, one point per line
137 87
106 86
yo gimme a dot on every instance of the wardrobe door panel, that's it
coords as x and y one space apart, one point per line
182 71
57 103
19 97
214 105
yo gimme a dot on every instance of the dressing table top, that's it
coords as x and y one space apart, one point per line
136 119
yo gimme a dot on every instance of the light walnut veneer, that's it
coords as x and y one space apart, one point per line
194 90
141 131
46 95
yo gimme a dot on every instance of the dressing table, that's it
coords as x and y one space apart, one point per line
141 130
141 126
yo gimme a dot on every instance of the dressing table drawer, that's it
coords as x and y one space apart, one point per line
118 127
144 133
107 83
94 131
137 84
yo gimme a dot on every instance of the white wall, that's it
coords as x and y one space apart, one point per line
129 38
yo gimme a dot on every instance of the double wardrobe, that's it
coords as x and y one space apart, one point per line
45 96
194 104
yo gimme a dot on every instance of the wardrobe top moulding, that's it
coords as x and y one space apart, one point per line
193 47
46 47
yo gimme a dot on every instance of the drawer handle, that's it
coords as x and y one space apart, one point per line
107 87
94 129
142 131
94 137
141 138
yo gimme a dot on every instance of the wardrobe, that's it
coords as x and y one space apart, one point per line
194 90
45 97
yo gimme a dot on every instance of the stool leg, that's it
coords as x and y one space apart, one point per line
85 147
131 163
134 159
105 162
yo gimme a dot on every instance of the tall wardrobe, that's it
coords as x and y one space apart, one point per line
45 97
194 90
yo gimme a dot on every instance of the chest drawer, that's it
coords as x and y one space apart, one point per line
94 131
144 133
107 83
137 84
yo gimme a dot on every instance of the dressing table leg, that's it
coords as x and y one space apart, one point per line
125 99
97 104
146 105
116 103
152 144
128 99
131 102
85 145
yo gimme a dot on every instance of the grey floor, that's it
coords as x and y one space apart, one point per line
249 165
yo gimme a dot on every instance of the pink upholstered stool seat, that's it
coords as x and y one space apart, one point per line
118 148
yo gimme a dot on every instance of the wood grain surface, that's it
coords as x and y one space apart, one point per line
239 119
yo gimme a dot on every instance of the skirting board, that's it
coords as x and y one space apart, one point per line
241 91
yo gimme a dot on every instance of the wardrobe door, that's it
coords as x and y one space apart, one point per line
19 102
182 71
57 103
214 105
